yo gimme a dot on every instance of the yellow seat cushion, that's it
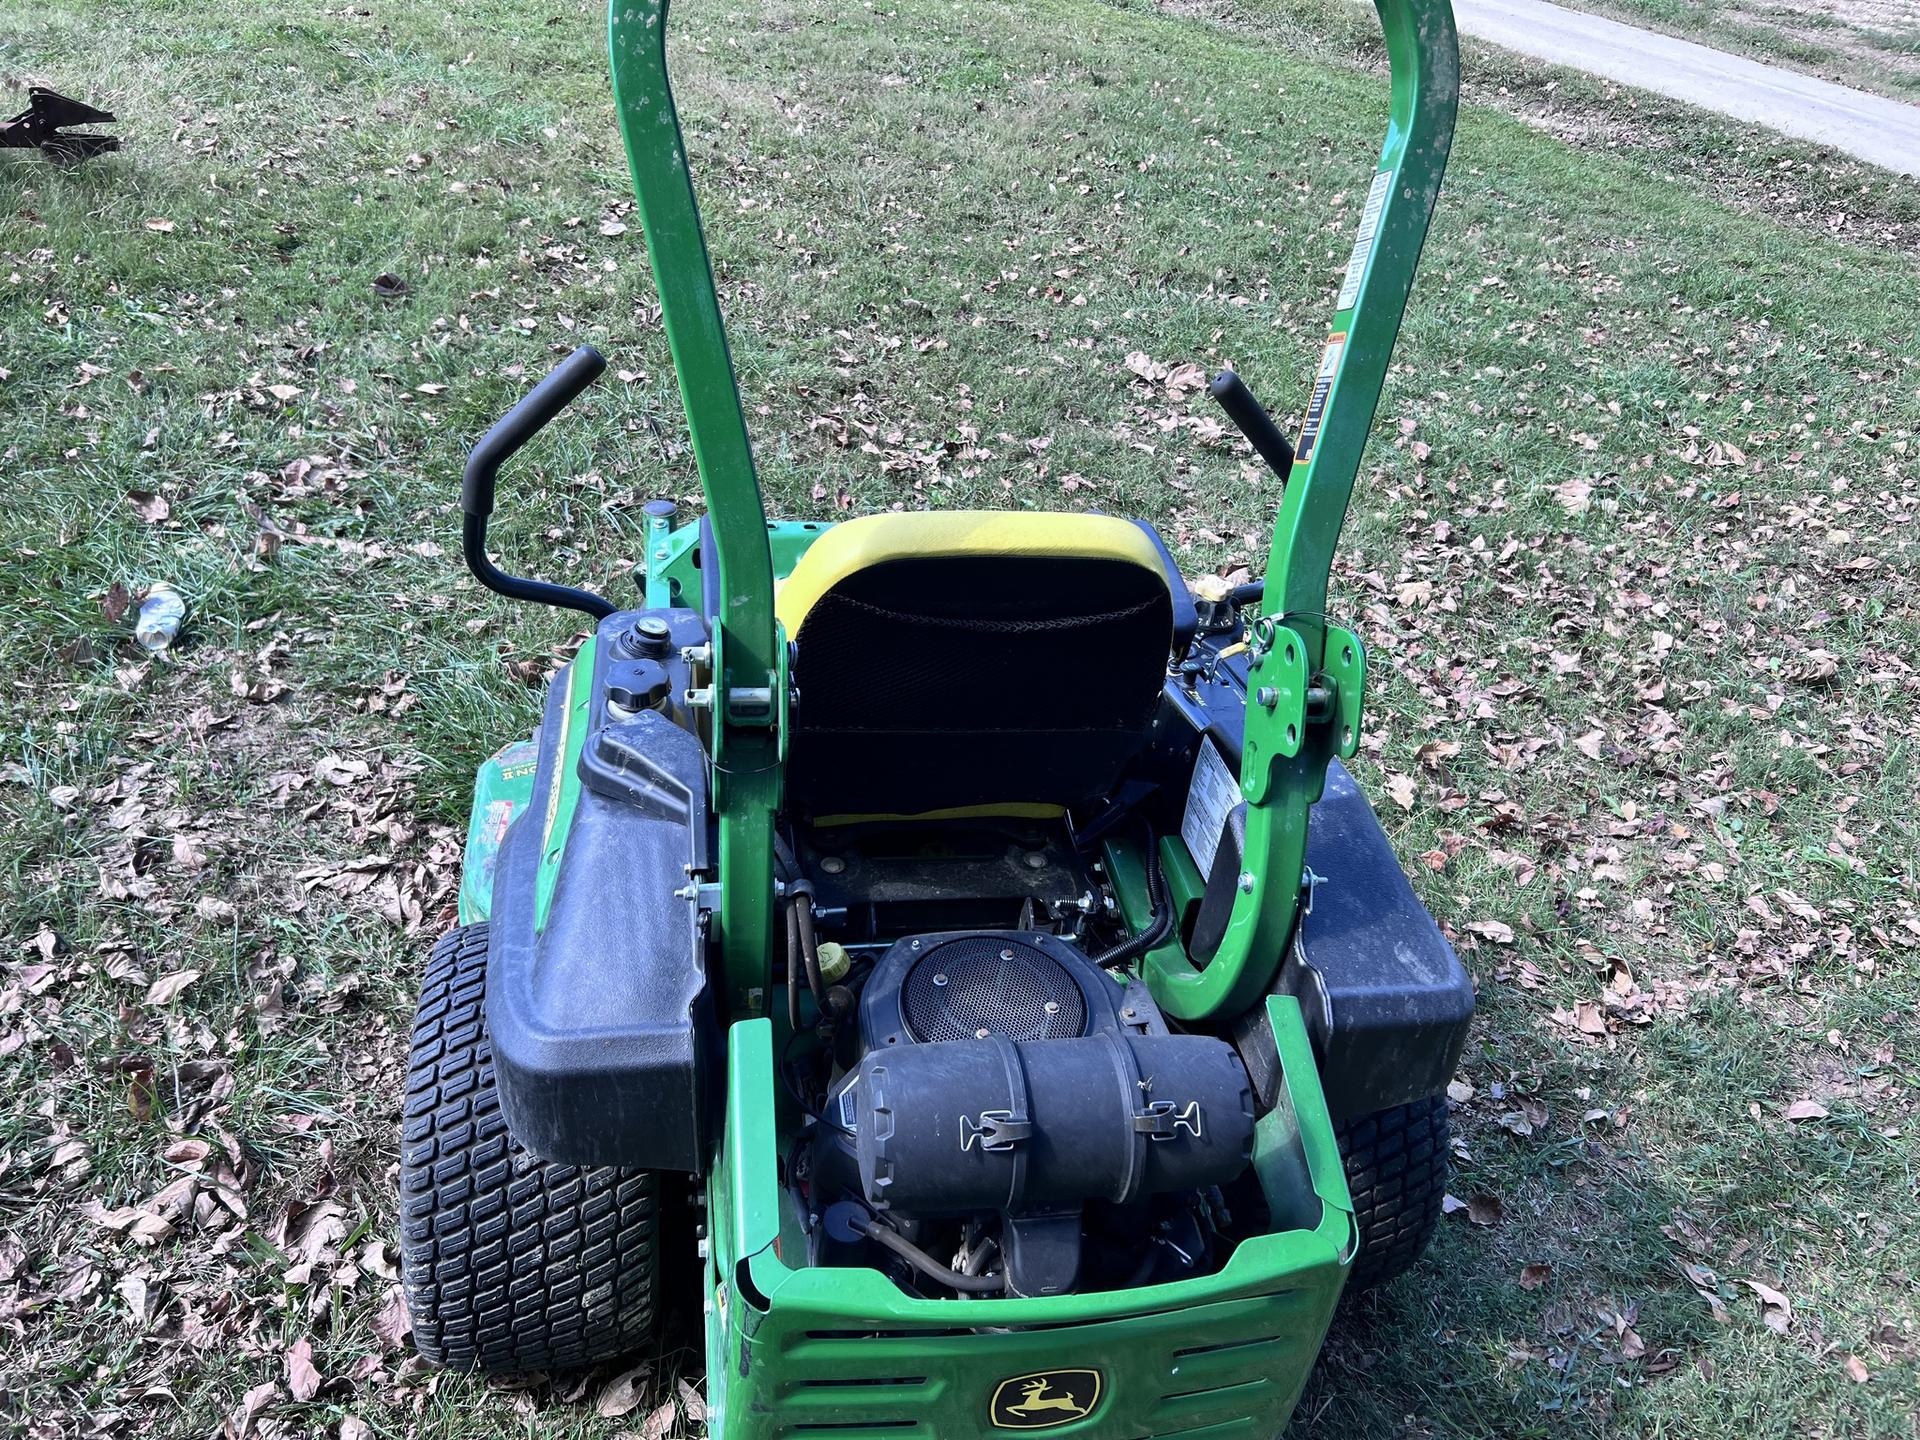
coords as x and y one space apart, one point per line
856 545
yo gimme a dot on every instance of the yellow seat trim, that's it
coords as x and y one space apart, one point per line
855 545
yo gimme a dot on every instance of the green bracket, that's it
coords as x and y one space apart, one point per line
1276 703
1346 667
1283 766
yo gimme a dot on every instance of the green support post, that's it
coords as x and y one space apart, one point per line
1305 675
748 673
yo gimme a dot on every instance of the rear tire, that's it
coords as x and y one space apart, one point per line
1396 1163
510 1263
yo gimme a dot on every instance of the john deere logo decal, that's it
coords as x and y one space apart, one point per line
1045 1399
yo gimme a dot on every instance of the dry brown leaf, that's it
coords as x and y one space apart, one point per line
1532 1277
624 1392
1775 1308
148 506
393 1323
1498 931
1400 789
1856 1369
164 990
303 1380
693 1402
240 1423
1805 1109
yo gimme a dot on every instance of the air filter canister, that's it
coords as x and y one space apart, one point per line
1023 1126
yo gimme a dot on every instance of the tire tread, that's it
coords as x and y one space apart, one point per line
509 1263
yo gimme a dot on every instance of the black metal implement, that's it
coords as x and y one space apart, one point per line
1253 422
42 126
560 389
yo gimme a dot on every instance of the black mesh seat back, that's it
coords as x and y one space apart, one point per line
945 681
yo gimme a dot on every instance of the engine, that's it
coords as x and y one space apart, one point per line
1009 1118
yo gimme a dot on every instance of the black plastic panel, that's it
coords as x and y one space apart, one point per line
602 1025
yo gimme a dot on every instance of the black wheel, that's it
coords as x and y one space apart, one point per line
1396 1162
510 1263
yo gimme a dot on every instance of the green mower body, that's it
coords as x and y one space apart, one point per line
1044 1066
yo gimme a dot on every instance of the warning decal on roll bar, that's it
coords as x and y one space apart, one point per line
1317 403
1363 242
1210 799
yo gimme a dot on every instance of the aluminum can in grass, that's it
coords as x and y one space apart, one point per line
160 616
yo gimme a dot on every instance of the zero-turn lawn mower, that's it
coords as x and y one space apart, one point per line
955 928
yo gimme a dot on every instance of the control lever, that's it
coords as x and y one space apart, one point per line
519 425
1253 422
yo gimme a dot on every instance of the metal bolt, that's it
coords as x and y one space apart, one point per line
1036 860
1247 881
1128 1013
1052 1007
939 980
1006 954
913 945
1267 696
983 1034
833 865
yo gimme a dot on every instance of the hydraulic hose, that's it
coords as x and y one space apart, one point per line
1159 926
928 1266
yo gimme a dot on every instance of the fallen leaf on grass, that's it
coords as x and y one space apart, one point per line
1400 789
168 987
1856 1369
693 1403
1532 1277
240 1423
148 506
1706 1284
393 1323
1806 1110
1498 931
624 1392
655 1426
1775 1308
302 1379
1482 1209
389 286
159 226
1574 495
143 1227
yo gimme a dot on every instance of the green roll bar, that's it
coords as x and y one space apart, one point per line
1307 675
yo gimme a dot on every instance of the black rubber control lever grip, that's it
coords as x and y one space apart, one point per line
1253 422
519 425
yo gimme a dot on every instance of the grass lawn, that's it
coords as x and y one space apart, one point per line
1635 554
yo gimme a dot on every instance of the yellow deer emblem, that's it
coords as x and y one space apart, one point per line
1038 1402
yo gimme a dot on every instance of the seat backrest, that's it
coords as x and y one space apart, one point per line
971 660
